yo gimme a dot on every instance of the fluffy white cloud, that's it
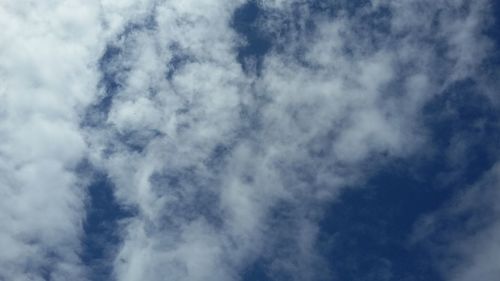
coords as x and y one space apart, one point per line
47 53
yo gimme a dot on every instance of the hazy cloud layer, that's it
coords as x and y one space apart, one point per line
225 159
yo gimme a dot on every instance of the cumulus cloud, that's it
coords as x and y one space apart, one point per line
224 164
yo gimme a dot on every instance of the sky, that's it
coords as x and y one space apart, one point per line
257 140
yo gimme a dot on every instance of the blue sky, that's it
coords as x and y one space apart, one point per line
250 140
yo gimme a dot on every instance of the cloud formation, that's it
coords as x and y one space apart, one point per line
47 77
226 159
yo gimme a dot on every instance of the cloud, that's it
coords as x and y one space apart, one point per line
46 79
222 162
228 147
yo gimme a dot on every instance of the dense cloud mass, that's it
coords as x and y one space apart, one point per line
225 128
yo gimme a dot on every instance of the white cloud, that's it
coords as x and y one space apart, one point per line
47 79
315 129
203 150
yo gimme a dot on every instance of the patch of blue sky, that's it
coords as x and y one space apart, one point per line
257 44
102 226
